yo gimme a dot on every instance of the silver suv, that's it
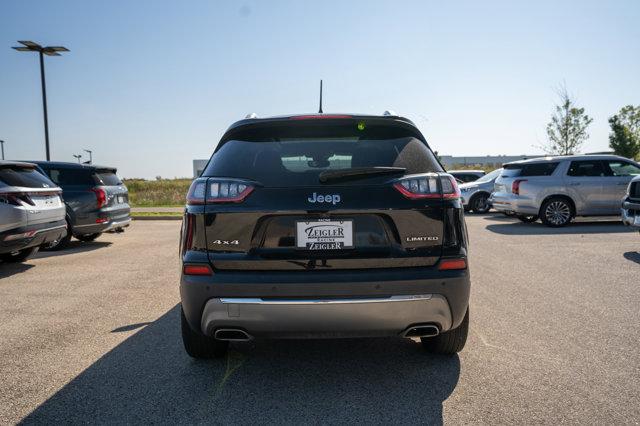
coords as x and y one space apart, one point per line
631 204
31 211
556 189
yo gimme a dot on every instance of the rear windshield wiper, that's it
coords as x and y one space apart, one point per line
330 176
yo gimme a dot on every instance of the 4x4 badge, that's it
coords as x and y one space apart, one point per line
226 242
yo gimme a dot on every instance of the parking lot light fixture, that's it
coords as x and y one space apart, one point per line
2 147
29 46
90 155
78 157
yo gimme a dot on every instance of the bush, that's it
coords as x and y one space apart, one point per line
163 192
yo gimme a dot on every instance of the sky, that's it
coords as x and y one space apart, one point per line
149 86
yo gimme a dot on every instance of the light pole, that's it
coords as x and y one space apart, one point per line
29 46
2 145
90 156
78 157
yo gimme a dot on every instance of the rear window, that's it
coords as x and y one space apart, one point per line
465 177
24 177
108 178
490 176
530 169
297 156
65 177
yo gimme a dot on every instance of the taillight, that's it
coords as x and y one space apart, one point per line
197 270
215 190
452 264
189 225
428 186
16 198
20 236
101 197
515 186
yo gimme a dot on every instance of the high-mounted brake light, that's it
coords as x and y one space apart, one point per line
428 186
515 186
320 117
215 190
101 197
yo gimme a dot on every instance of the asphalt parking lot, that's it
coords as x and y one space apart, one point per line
91 335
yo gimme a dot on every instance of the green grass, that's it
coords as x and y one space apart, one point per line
157 193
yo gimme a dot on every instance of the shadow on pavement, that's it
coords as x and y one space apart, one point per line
519 228
130 327
8 269
633 256
72 248
149 379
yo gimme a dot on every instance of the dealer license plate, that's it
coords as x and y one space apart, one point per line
324 235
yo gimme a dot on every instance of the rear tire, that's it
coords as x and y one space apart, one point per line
19 256
480 204
89 237
200 346
450 342
556 212
527 218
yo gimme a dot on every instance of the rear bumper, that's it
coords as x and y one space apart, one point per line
513 204
31 236
337 304
631 213
318 318
112 224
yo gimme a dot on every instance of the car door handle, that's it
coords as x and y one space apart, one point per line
574 183
623 183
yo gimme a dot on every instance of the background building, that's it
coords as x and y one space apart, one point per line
198 167
450 161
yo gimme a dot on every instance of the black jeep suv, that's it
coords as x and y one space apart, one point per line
323 225
96 199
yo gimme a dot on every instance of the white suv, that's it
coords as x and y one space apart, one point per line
31 211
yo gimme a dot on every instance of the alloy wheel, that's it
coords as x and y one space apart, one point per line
482 204
558 212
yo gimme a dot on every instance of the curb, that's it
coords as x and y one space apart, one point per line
156 217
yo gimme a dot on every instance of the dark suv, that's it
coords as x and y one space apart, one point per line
323 226
95 197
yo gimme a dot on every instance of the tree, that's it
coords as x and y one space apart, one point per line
567 130
624 138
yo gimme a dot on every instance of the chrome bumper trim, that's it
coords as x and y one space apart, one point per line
257 301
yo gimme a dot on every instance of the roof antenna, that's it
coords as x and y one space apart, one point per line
320 110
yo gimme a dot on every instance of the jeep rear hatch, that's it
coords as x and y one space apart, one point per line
339 193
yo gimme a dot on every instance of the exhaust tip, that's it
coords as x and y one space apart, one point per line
427 330
232 335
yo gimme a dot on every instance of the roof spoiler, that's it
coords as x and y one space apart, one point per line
11 164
